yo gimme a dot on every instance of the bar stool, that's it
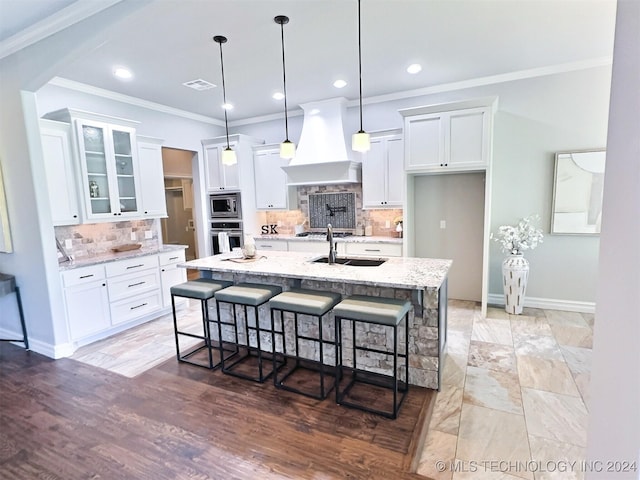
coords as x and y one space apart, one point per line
202 289
7 286
385 312
248 295
305 302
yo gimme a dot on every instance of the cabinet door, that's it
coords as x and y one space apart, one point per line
171 275
125 166
92 138
394 172
424 141
373 174
61 181
219 176
271 245
466 138
152 197
270 180
88 297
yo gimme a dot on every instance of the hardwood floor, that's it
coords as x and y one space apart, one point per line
67 420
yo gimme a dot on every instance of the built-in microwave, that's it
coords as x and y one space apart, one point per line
226 205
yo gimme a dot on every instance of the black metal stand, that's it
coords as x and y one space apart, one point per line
8 286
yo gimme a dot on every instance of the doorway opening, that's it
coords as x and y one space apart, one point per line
179 228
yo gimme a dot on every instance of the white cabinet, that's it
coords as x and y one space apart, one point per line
59 170
272 191
108 157
152 197
271 245
447 141
171 274
374 249
217 175
383 173
313 246
85 290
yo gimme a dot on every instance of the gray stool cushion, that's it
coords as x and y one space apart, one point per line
201 289
384 311
308 302
248 293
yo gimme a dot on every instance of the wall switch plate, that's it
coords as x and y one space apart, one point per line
68 243
148 234
133 235
443 224
387 224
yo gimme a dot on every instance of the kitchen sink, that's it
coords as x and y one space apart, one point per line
353 262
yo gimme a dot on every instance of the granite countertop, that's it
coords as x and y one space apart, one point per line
323 237
396 272
112 257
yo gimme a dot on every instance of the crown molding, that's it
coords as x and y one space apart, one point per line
138 102
60 20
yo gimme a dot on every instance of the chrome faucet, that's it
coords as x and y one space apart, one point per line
332 246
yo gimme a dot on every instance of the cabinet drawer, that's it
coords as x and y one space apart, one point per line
131 265
125 286
175 256
270 245
79 276
387 249
132 308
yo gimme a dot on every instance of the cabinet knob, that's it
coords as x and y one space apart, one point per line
75 216
104 284
145 212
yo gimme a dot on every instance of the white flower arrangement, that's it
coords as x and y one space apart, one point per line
517 239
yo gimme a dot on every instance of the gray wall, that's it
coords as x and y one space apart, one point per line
536 117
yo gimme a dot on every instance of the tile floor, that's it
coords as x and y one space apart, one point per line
514 397
515 388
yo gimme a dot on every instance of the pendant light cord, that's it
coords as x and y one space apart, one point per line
224 97
284 82
360 65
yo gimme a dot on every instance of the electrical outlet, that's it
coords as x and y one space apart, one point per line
443 224
68 243
148 234
133 235
387 224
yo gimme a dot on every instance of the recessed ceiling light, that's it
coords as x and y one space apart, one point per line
278 96
414 68
227 106
340 83
122 72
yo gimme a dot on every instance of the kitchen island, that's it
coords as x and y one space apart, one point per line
421 280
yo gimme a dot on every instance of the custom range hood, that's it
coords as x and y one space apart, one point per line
322 157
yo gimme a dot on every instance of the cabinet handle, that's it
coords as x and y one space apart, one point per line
266 246
371 249
173 258
136 284
135 266
138 306
86 276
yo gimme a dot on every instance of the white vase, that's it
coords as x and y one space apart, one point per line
515 273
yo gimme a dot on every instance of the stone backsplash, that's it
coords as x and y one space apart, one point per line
99 238
287 219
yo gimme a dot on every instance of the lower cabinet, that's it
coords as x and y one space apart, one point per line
313 246
101 298
375 249
271 245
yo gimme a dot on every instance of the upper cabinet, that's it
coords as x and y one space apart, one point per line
58 165
152 197
220 177
272 191
382 172
448 140
108 160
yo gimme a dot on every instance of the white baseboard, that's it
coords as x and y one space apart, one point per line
548 303
38 346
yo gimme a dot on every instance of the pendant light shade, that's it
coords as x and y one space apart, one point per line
228 155
287 147
360 141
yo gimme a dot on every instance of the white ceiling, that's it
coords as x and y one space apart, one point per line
170 42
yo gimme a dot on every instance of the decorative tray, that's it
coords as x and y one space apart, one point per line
126 247
245 260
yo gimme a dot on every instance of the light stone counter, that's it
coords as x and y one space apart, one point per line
314 237
421 280
113 256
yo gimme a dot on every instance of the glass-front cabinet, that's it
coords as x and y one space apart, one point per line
109 167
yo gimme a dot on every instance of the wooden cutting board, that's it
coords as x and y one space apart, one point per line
127 247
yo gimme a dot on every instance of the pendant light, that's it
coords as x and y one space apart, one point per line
360 141
228 155
287 148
